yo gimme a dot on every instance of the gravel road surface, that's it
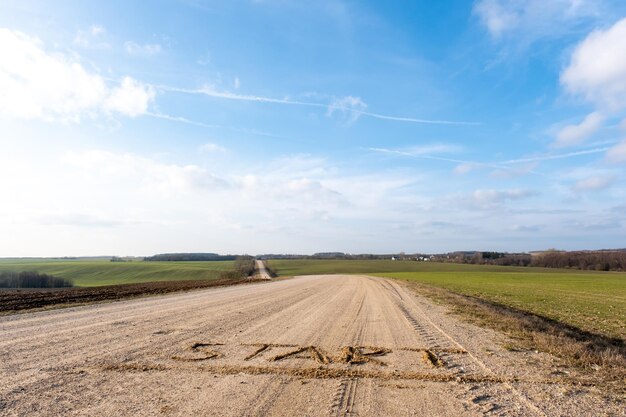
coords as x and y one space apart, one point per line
309 346
262 271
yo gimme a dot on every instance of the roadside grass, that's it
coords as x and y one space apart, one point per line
604 356
593 302
92 273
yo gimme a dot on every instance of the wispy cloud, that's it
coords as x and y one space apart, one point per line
490 197
516 171
149 49
577 133
465 168
91 38
548 157
180 119
83 220
212 147
421 150
434 148
351 107
526 21
502 169
465 164
594 183
145 173
617 153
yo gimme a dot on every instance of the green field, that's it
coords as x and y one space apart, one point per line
293 267
592 301
91 273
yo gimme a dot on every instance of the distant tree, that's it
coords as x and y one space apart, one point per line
190 257
605 260
30 279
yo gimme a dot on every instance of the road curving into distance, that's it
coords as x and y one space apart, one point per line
309 346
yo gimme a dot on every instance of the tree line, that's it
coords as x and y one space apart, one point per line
588 260
31 279
190 257
600 260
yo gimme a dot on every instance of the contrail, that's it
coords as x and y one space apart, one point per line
438 158
504 165
181 119
261 99
558 156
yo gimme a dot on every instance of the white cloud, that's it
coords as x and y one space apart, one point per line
237 83
617 153
597 68
525 228
131 98
212 147
36 84
143 173
351 107
83 220
96 30
465 168
310 191
139 205
594 183
490 197
528 20
148 49
91 38
496 16
514 171
571 135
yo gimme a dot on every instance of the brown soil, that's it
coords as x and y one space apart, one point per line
12 300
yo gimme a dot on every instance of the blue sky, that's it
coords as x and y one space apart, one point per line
290 126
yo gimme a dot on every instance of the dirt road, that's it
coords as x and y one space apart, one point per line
262 271
309 346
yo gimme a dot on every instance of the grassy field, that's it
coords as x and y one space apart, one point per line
292 267
592 301
91 273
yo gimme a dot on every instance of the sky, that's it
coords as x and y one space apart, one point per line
279 126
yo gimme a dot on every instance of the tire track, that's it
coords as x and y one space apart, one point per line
345 395
387 353
264 401
343 402
436 337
